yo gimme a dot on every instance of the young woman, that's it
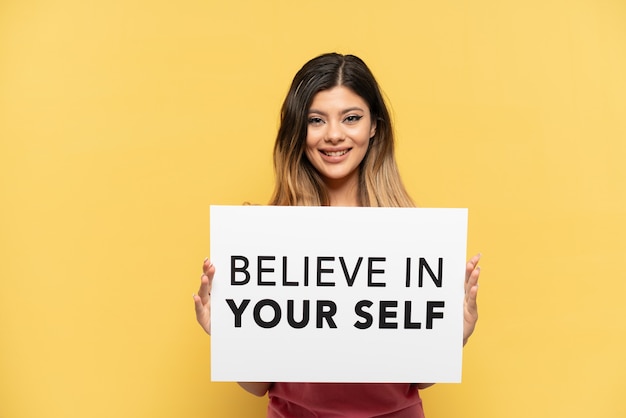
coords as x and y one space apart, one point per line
335 147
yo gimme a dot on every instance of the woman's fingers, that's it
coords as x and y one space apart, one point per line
472 274
206 264
471 291
202 300
203 314
471 265
206 281
197 301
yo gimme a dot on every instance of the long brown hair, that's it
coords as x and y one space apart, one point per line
297 182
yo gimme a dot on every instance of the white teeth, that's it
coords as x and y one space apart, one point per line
335 153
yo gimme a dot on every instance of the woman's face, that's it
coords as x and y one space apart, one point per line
339 129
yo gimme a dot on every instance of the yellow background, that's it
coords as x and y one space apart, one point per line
122 121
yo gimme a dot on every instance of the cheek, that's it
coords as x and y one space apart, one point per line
313 136
308 145
312 141
310 151
365 136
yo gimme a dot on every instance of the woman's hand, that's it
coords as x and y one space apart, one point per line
203 299
470 308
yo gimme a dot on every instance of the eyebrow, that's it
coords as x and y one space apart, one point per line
343 112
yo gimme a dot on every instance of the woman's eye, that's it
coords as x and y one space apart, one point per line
315 121
353 118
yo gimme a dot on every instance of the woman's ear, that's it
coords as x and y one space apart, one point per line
373 129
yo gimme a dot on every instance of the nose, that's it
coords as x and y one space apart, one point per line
334 133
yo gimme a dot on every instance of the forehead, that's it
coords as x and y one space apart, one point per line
337 98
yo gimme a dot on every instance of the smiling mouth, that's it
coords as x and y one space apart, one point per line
335 153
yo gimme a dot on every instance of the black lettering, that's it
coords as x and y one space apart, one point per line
431 314
257 313
285 282
367 317
305 314
320 270
371 271
326 314
350 277
234 269
407 317
262 269
408 272
306 270
238 311
438 280
385 314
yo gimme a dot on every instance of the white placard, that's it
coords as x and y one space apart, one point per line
335 294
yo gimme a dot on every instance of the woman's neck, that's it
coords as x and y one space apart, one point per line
343 192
